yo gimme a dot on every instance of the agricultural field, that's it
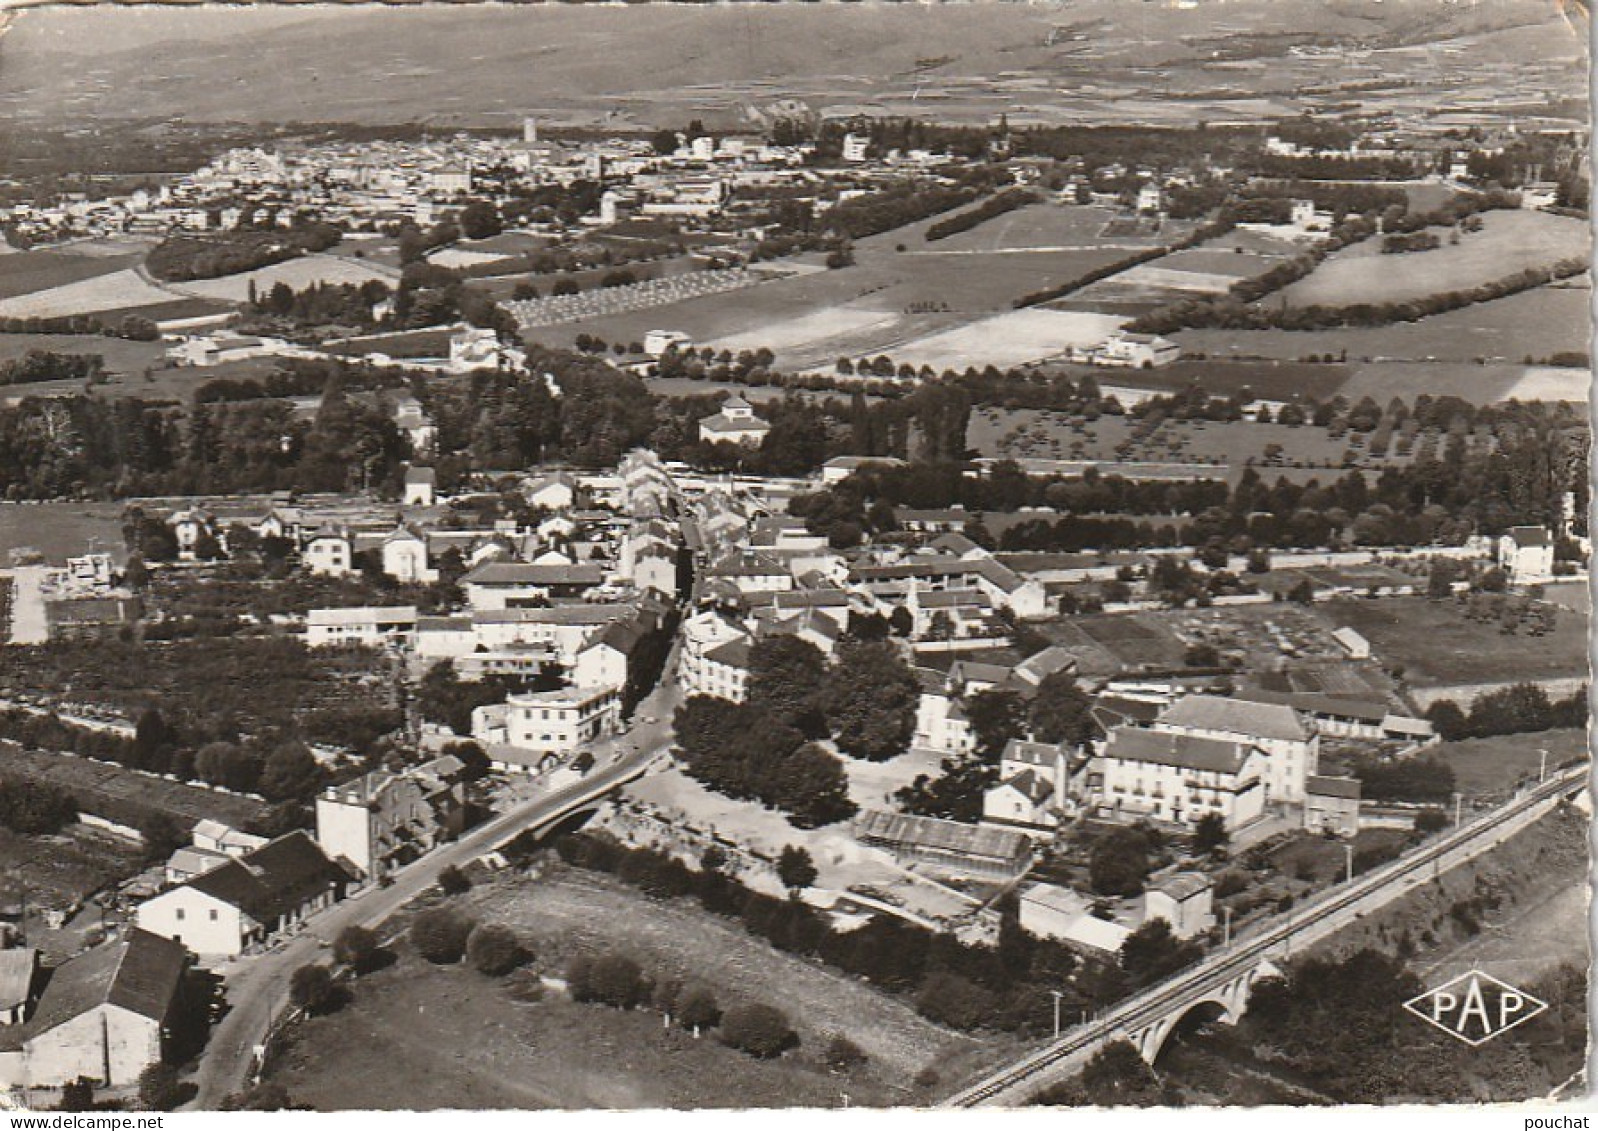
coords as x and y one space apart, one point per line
61 871
114 290
1508 242
60 529
555 1053
1439 648
892 302
121 356
1269 380
1556 318
124 795
299 273
1479 384
27 272
1494 766
1006 340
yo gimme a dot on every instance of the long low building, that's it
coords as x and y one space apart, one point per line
973 850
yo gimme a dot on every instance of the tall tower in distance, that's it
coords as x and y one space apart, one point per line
530 130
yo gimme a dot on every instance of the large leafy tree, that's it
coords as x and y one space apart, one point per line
871 701
1061 711
786 676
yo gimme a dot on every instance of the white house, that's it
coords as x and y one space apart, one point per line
1180 777
245 902
1291 746
330 551
19 983
419 486
657 342
701 634
557 492
1054 912
404 555
1185 900
736 423
103 1016
366 626
384 820
549 723
1527 554
1138 351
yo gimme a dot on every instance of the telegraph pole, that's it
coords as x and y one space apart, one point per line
1057 996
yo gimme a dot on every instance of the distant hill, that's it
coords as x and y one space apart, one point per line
651 64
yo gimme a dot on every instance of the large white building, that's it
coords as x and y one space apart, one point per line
384 820
549 723
1291 746
1179 777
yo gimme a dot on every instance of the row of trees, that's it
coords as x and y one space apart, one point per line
997 205
181 258
46 365
1518 709
969 987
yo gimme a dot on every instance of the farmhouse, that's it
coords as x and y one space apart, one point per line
1137 351
104 1016
1344 717
736 423
245 902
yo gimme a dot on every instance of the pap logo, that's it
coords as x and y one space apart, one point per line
1475 1007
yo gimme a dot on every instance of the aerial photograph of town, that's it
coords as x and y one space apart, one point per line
779 555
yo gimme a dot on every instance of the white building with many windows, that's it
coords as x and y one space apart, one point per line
1179 778
549 723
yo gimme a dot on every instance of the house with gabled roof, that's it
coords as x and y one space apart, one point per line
1291 746
103 1015
736 423
247 901
1178 778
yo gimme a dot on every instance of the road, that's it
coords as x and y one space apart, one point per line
257 987
1016 1083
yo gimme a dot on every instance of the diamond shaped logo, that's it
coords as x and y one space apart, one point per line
1475 1007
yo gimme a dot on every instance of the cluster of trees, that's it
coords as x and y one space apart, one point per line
1426 779
1332 1023
766 748
35 808
997 205
131 327
1401 243
46 365
616 979
959 984
320 304
1518 709
894 207
444 935
183 258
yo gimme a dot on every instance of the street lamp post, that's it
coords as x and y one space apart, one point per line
1057 996
1459 803
1226 929
1542 765
1348 853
